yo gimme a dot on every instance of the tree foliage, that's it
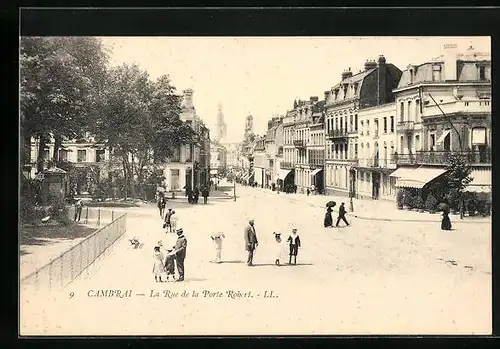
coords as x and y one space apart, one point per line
459 172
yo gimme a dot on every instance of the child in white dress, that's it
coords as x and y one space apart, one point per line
280 249
158 266
217 239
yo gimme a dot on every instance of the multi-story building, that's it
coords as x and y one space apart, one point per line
232 154
375 152
316 146
190 164
444 106
260 163
365 89
286 176
274 149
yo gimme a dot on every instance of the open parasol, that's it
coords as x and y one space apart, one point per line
443 206
331 204
160 190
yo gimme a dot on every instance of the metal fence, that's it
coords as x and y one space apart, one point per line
97 217
63 269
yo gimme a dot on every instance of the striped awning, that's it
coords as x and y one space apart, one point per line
419 177
481 181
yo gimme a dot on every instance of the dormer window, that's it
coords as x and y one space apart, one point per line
336 93
411 76
355 88
482 73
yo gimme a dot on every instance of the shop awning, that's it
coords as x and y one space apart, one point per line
481 181
402 172
316 171
214 171
284 173
419 177
443 136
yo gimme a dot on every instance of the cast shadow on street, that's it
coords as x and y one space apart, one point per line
194 279
224 262
281 265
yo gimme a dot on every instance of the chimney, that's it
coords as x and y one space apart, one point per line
346 74
370 64
381 81
313 99
450 62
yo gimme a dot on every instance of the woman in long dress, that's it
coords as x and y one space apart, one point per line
446 223
280 249
328 222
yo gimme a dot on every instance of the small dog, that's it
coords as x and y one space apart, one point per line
135 242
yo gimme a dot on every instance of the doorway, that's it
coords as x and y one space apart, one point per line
375 185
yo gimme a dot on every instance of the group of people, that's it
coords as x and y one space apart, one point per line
193 195
328 221
291 248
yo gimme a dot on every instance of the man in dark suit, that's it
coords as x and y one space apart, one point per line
250 241
180 253
341 215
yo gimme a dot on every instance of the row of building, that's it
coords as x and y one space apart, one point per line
189 165
383 128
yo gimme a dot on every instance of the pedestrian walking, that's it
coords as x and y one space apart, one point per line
205 194
157 263
189 195
251 242
342 213
78 209
217 239
280 249
161 205
168 220
180 253
196 195
170 265
294 242
174 221
328 222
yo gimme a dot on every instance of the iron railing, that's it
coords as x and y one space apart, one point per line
299 143
92 216
65 268
441 157
405 126
337 134
287 165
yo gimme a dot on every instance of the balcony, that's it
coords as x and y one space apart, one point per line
287 165
377 163
299 143
405 126
316 163
337 134
442 157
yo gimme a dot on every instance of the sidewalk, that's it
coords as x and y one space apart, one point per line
372 209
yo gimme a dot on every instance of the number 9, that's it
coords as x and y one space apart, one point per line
71 295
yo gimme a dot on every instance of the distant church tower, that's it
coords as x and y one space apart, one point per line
221 127
249 126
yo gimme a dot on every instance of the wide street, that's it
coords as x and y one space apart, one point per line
374 277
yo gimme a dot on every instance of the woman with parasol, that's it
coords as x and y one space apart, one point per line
445 222
328 222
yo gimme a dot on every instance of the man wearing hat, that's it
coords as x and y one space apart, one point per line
250 241
180 253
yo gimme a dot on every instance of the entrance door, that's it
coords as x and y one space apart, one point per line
376 185
352 182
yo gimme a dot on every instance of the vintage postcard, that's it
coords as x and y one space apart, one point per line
255 186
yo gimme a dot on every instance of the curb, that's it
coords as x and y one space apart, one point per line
385 219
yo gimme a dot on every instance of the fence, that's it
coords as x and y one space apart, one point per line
63 269
93 216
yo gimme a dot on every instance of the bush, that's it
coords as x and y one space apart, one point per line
58 209
418 202
453 198
431 203
408 198
400 198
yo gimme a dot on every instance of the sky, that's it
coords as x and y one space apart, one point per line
262 76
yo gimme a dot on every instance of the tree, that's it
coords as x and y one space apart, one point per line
59 77
458 177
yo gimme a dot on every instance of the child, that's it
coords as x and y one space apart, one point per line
294 241
280 248
167 225
170 264
173 222
158 263
217 239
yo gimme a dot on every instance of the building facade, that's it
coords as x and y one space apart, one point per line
375 152
444 106
315 147
286 175
260 162
365 89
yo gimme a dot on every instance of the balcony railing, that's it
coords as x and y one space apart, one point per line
405 126
316 163
441 157
376 163
299 143
287 165
337 134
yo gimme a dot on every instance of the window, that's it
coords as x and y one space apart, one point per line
362 127
466 104
432 141
410 116
341 124
417 107
99 155
351 127
355 150
63 155
417 142
356 122
402 112
174 179
336 123
392 124
367 127
46 154
336 151
385 124
482 73
376 127
81 155
401 140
